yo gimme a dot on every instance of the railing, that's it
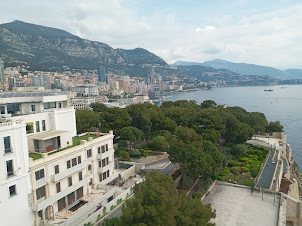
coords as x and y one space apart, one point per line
8 151
11 174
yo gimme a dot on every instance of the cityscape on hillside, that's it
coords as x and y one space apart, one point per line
174 122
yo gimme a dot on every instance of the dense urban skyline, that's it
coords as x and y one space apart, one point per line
241 31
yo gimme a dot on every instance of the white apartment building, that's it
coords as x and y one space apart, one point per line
72 180
15 186
50 121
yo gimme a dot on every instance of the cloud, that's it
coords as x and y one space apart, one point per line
268 36
206 28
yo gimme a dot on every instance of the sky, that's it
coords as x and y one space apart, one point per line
252 31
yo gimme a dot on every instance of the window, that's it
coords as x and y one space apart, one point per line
107 147
100 163
43 125
60 105
79 160
37 126
89 167
80 176
7 147
104 176
9 168
88 153
29 127
58 185
107 173
40 214
101 177
33 108
74 161
103 149
40 192
39 174
103 162
90 182
12 190
107 161
68 164
57 169
69 181
13 108
2 109
50 105
99 150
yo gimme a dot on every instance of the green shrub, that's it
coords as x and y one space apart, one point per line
244 169
226 171
134 153
235 170
243 159
233 163
254 172
222 174
196 195
124 156
219 178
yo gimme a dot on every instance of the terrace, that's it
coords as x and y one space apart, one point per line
75 142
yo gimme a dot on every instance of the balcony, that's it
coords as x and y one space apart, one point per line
50 200
59 176
8 151
40 182
105 154
105 168
11 174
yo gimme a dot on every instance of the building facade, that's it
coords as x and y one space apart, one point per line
2 76
15 186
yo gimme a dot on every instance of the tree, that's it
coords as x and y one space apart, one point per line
157 202
274 127
159 143
85 119
239 150
99 107
143 123
208 104
122 144
131 134
193 212
124 155
115 119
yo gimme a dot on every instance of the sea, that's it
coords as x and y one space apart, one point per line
282 103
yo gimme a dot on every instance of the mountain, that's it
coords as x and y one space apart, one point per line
248 69
46 48
223 77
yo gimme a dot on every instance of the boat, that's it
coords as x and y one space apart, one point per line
268 90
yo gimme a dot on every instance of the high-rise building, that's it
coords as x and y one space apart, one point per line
2 77
36 81
102 74
45 81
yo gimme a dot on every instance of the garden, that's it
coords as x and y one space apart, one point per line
244 166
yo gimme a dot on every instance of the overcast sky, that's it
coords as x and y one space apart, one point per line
264 32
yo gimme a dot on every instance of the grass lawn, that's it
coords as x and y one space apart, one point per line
34 155
247 167
243 179
76 141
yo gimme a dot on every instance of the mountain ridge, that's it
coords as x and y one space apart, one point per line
247 69
44 48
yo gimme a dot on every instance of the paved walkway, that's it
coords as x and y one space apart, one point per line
235 206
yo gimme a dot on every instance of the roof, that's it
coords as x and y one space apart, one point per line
47 135
40 94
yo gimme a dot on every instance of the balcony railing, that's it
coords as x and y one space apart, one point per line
105 168
11 174
8 151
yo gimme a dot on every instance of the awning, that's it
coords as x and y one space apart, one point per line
47 135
